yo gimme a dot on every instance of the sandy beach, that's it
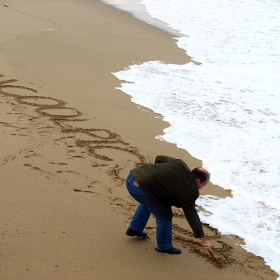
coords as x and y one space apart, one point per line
69 139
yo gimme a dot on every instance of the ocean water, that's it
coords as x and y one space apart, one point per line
223 108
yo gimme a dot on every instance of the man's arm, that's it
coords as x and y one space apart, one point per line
193 219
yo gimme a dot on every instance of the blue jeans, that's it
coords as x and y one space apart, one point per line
142 215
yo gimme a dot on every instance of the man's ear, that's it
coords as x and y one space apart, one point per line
197 180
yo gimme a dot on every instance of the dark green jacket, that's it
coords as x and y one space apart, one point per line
169 182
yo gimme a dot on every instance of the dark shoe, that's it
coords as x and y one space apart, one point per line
172 250
131 232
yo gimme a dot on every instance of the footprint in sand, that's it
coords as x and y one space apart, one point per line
118 201
34 167
94 184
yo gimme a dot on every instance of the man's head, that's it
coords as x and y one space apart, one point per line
201 176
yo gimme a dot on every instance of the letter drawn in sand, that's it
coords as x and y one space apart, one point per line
59 114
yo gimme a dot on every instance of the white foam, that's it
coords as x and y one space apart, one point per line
236 215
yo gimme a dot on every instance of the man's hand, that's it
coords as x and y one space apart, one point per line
206 244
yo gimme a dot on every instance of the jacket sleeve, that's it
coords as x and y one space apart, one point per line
188 206
162 159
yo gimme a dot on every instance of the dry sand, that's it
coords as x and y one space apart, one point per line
69 139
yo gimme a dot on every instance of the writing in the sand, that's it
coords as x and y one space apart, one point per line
61 116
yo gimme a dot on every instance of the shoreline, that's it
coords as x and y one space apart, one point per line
60 151
135 8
